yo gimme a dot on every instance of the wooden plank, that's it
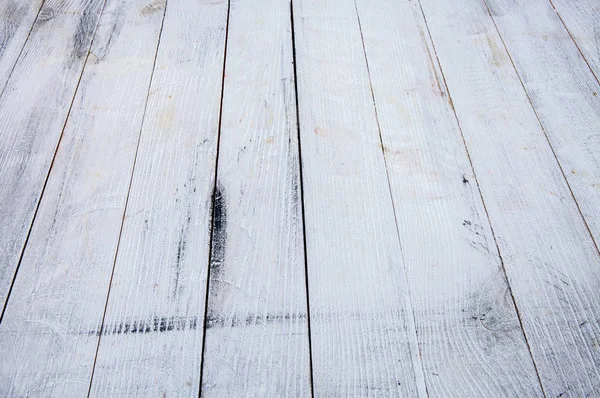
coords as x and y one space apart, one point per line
16 20
362 332
564 94
549 255
469 334
33 110
153 330
256 340
49 334
582 19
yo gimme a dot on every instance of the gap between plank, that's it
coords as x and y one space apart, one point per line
214 196
483 200
37 206
543 128
101 332
573 39
22 48
310 361
419 371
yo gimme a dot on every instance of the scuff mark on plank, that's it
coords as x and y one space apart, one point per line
219 232
253 320
150 325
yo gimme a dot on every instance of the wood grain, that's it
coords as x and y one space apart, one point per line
582 19
362 331
49 333
16 20
564 94
549 255
33 110
152 336
468 331
257 325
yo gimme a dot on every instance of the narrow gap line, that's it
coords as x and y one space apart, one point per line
22 48
387 173
39 200
214 196
101 332
575 42
519 316
310 359
543 129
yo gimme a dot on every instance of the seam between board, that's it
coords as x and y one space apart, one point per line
39 200
543 129
575 42
312 391
101 332
416 367
519 317
22 48
214 197
545 135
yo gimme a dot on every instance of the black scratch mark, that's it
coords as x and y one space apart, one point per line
151 325
219 233
180 254
253 320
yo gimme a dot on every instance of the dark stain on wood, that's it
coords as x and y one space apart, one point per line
253 320
118 21
153 7
150 325
219 232
85 30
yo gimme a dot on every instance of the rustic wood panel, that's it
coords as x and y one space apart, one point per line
152 337
49 334
549 255
16 20
468 331
257 324
362 331
33 110
582 19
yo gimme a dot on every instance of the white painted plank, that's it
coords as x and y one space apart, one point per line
564 93
469 334
362 331
49 334
33 110
582 19
550 258
153 330
257 325
16 20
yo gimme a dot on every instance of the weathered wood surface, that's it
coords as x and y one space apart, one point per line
467 327
152 338
564 94
582 20
420 218
549 255
362 331
257 325
49 334
16 20
33 109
